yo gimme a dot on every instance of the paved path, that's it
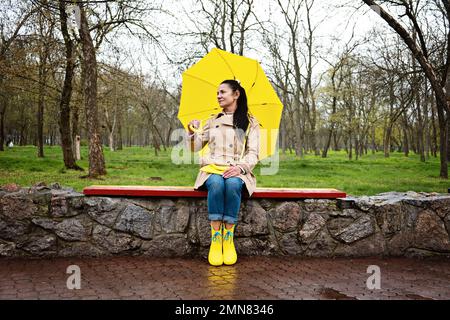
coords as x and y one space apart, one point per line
251 278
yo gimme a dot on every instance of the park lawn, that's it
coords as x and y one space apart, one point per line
369 175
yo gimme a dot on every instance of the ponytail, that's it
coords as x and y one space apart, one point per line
240 117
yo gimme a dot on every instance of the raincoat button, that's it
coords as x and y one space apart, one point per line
217 126
231 145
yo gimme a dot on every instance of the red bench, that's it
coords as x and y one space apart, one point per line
189 192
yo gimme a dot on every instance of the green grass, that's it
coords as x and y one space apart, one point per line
369 175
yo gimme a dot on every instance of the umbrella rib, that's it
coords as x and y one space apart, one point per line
228 65
266 104
261 104
198 78
254 81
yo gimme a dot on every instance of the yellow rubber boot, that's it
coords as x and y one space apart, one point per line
229 251
215 256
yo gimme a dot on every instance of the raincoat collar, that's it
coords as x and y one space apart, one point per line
219 118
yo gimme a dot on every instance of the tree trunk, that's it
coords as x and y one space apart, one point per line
387 141
333 112
350 146
443 133
111 141
434 131
129 136
89 64
313 133
327 143
3 108
42 67
40 109
154 139
427 137
441 89
22 136
283 137
420 141
158 133
448 138
336 139
298 146
75 110
374 144
405 135
119 133
420 124
64 105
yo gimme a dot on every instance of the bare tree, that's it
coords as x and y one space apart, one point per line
336 79
89 66
128 14
291 13
227 24
66 94
8 34
45 43
438 76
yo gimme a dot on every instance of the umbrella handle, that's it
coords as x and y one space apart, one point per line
199 129
195 130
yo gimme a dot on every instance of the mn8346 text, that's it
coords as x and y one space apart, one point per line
245 309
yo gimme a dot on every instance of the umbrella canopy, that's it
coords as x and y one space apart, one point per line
199 93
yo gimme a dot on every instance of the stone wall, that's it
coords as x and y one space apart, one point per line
53 221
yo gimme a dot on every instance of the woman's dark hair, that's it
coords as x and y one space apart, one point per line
240 117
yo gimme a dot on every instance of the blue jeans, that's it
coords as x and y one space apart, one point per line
224 198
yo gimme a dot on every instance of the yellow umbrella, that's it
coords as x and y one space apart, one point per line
199 94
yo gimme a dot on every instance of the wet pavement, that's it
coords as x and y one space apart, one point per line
256 278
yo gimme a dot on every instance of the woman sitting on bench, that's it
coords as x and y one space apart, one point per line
233 139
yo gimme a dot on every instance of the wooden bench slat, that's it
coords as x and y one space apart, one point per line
189 192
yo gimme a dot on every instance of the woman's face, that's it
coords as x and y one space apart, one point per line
226 96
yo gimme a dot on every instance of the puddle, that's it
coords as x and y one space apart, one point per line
330 293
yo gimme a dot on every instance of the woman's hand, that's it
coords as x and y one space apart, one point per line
232 171
195 124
